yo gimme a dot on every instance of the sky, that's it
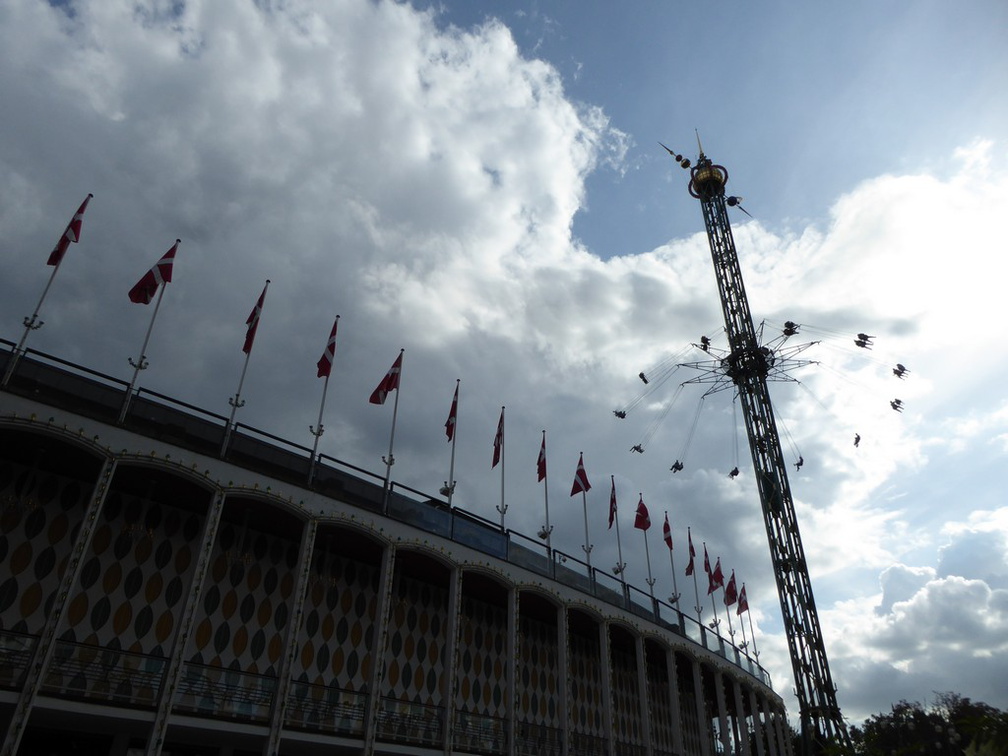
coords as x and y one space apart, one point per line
482 185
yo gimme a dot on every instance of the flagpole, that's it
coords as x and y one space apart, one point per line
503 507
710 578
696 589
317 433
548 528
745 641
620 565
752 632
141 363
587 546
731 630
319 429
30 323
390 460
450 483
674 598
647 554
236 401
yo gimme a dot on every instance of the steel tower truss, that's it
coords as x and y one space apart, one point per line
747 365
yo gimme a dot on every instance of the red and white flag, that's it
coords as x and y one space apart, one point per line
581 484
692 552
498 444
612 504
667 533
743 602
145 289
730 591
325 362
389 383
253 321
706 561
643 520
541 463
716 578
72 234
449 426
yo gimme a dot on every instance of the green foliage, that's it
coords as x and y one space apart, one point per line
951 726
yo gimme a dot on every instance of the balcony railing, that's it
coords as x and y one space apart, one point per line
410 723
99 673
538 740
16 651
217 692
478 734
326 709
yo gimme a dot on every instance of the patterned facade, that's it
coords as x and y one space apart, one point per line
158 599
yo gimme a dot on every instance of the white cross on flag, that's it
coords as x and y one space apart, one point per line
145 289
326 360
72 234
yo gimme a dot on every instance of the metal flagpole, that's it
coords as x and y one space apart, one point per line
450 483
620 565
390 460
547 531
587 546
752 632
696 589
33 323
236 402
745 641
674 598
141 363
30 325
647 554
710 578
731 630
319 429
503 507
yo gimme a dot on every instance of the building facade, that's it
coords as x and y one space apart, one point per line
160 596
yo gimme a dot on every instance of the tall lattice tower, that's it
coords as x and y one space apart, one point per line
747 365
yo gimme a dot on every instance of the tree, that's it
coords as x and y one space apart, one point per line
952 726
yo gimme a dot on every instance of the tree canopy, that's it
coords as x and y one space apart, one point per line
951 725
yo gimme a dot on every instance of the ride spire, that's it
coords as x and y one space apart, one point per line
748 365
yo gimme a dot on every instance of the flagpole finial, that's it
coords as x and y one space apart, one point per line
268 281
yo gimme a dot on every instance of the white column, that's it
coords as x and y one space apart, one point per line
43 653
385 586
279 709
173 673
